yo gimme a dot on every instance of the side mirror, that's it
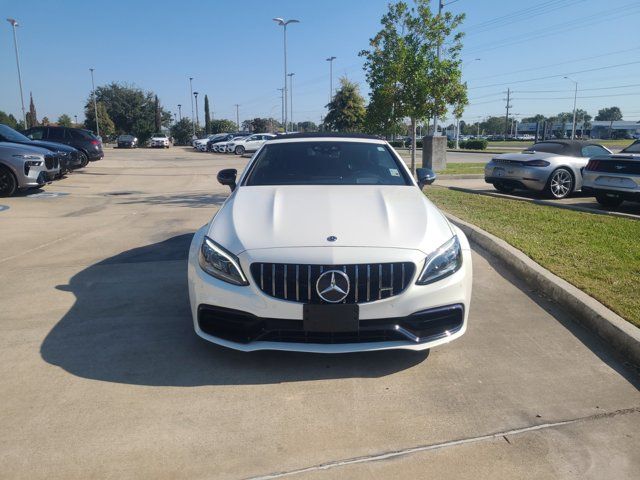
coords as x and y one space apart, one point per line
228 177
425 177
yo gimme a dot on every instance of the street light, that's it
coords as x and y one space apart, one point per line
330 60
95 103
281 90
237 116
195 94
291 97
283 23
180 112
192 119
575 97
14 24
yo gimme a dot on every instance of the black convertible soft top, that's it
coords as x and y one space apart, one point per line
572 148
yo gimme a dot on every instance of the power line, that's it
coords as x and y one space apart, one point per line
582 89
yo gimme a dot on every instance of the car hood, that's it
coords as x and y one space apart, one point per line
56 147
18 148
259 217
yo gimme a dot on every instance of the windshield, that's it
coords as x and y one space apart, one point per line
125 137
8 134
633 148
326 163
159 135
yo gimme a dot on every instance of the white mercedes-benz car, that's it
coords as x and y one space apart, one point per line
327 244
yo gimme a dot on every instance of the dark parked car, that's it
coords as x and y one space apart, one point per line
127 141
85 141
69 157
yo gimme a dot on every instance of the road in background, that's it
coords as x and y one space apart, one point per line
103 376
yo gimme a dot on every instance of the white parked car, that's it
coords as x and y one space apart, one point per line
223 147
248 144
327 244
159 140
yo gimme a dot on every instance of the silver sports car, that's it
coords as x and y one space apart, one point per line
553 167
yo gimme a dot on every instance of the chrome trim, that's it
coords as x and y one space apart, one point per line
379 281
297 283
308 283
407 333
357 283
368 281
262 276
273 279
286 268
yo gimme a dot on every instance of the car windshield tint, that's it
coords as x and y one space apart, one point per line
159 135
81 135
326 163
8 134
633 148
126 138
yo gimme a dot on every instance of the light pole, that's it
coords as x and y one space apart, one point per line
283 23
238 116
575 98
180 112
195 94
291 98
14 24
330 60
192 118
281 90
76 117
95 103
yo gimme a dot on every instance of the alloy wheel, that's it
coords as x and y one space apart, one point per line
7 183
561 183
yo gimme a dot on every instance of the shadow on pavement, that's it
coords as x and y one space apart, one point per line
131 323
194 200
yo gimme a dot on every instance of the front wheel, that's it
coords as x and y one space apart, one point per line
8 182
560 184
239 150
502 188
84 159
609 201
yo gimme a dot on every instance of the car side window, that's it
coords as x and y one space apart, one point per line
56 134
593 150
35 133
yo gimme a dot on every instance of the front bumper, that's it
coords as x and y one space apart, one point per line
517 176
244 318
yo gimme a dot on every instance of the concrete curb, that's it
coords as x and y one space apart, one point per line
537 201
623 337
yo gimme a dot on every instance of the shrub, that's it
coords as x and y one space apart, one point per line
479 144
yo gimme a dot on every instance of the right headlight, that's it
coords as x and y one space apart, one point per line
220 263
445 261
26 156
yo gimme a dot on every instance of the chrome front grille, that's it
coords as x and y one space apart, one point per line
51 162
297 282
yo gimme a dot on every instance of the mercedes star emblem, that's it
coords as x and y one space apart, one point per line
333 286
332 238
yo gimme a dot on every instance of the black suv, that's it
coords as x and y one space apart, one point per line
85 141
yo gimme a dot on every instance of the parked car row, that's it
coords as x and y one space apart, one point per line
559 168
43 155
238 143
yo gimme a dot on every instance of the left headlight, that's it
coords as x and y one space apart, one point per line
220 263
445 261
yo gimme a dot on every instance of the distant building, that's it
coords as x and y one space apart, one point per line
593 129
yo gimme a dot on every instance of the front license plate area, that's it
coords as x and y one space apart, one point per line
330 318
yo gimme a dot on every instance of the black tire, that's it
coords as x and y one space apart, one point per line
8 182
239 150
608 201
560 184
84 159
502 188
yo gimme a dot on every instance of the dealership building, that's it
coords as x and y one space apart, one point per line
594 129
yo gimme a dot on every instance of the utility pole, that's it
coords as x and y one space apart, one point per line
291 98
180 111
506 118
14 24
95 103
282 100
575 98
192 119
238 116
76 117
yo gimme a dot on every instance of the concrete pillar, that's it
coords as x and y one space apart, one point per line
434 152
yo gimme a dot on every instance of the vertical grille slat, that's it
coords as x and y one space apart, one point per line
378 281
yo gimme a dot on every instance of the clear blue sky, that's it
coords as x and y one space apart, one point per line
234 52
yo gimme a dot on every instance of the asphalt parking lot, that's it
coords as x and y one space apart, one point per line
103 377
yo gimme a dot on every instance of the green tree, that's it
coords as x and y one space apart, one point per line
181 131
8 119
107 128
536 118
222 126
612 114
64 120
404 73
260 125
207 116
45 120
492 126
131 109
157 114
32 116
346 110
307 126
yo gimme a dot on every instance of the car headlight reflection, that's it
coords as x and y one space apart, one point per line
219 263
445 261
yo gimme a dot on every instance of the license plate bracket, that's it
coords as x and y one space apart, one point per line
341 317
